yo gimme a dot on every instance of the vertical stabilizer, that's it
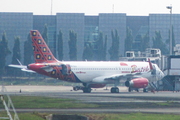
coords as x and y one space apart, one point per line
41 51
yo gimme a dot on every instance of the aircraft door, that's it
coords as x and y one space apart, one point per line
66 69
153 70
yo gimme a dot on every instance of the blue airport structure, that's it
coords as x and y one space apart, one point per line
87 28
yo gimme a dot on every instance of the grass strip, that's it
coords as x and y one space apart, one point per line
30 102
103 116
39 102
25 116
132 116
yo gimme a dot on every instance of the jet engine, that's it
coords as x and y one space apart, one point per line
137 83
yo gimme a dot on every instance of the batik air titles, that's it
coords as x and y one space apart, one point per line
91 74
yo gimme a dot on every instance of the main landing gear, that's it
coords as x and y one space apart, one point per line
86 88
114 90
83 88
145 90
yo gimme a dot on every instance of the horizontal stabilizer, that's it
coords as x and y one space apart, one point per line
27 70
18 66
22 67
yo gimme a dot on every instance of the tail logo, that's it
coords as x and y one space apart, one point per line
44 49
49 57
38 56
39 41
34 33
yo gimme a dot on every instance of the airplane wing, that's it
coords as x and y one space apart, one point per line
18 66
22 67
112 78
117 77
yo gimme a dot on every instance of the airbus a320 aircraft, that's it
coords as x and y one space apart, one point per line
91 74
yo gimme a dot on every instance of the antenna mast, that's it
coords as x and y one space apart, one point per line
113 8
51 6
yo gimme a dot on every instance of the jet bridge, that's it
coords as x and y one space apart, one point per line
170 65
171 69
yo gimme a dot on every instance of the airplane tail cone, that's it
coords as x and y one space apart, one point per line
41 51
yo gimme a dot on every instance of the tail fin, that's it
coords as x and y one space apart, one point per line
42 52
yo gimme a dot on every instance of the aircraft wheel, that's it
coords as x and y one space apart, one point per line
117 90
137 90
87 90
75 88
129 89
145 90
114 90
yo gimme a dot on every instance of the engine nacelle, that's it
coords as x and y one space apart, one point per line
97 85
137 83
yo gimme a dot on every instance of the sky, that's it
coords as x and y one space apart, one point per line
91 7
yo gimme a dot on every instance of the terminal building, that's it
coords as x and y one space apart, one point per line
87 28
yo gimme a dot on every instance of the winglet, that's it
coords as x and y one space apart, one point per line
150 64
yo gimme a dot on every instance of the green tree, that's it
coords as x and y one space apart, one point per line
72 45
88 52
114 49
128 40
16 51
158 43
55 44
137 42
45 34
100 47
28 50
104 49
145 42
4 52
60 45
16 56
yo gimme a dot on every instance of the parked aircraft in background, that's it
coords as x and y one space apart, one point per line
91 74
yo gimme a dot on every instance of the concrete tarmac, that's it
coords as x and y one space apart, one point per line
76 111
99 96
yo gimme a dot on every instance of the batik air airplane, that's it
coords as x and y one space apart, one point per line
91 74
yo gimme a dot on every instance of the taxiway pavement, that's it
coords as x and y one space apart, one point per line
99 96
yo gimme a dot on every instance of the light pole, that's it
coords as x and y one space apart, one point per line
170 45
